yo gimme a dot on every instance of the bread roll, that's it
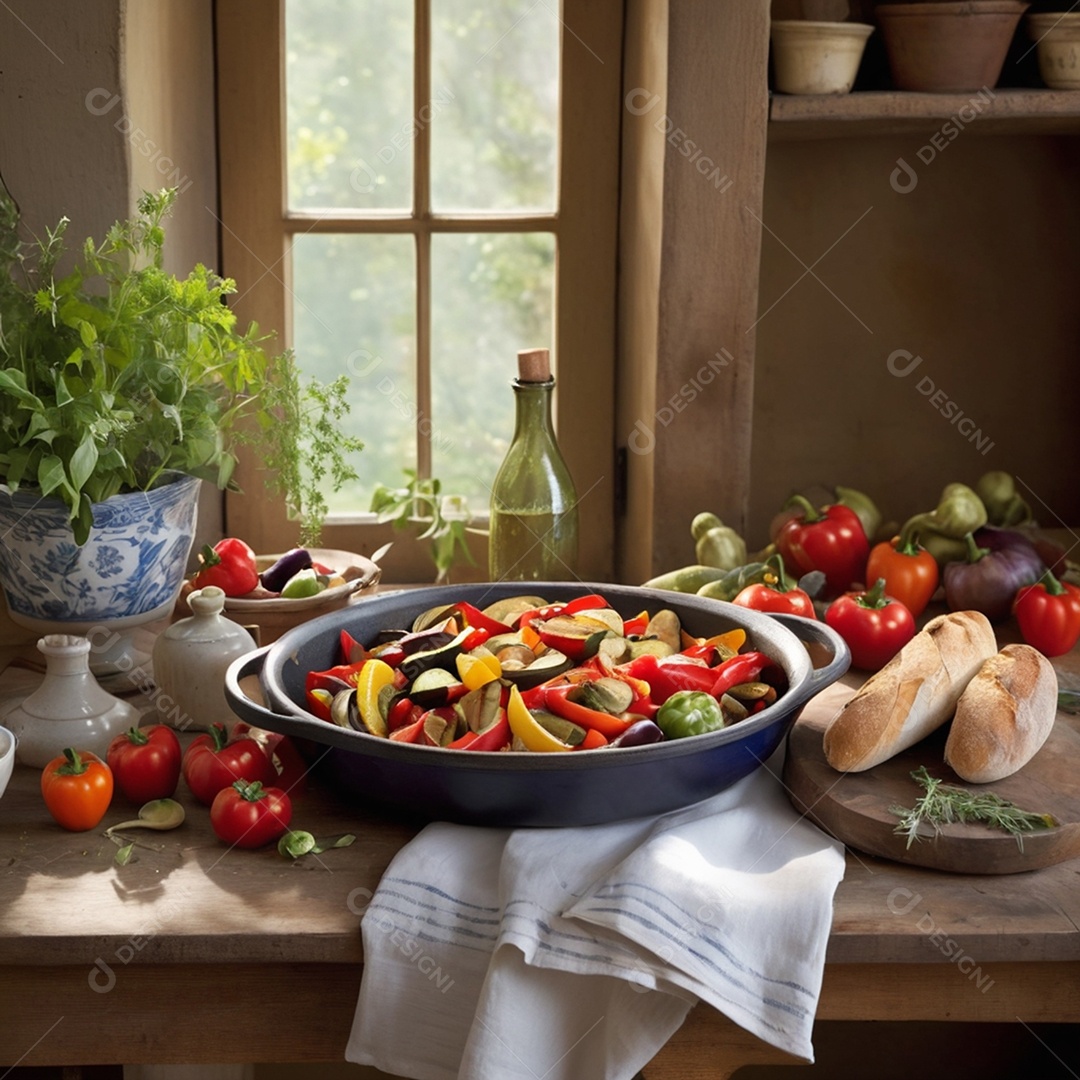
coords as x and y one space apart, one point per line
914 693
1003 716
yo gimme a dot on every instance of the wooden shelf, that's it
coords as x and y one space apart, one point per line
998 112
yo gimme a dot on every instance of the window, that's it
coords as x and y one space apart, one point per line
409 194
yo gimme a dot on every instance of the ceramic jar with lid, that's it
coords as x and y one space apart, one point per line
190 658
69 708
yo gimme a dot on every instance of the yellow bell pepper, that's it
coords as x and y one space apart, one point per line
527 729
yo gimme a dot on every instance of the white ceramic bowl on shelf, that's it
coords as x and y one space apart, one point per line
817 57
8 742
1057 39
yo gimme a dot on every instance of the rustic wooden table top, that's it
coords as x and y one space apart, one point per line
187 912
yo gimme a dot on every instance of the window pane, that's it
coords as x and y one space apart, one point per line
349 90
354 311
495 105
492 294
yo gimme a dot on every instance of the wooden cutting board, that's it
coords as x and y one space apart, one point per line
854 807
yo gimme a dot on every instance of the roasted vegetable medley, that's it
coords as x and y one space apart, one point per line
523 674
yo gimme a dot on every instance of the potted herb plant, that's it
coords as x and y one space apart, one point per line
122 387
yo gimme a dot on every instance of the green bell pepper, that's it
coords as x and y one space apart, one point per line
717 544
1004 505
941 531
689 712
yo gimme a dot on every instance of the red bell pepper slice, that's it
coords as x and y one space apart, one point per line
593 741
411 733
340 677
473 616
555 701
745 667
672 675
477 637
571 607
493 738
319 701
402 713
352 652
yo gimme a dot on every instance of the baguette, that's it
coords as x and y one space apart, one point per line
914 693
1004 716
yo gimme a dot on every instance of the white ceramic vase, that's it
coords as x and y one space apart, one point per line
190 658
69 708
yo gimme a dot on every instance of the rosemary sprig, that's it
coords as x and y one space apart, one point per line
944 803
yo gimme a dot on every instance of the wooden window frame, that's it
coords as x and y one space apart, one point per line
257 230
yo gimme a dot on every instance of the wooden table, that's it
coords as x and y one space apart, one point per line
195 953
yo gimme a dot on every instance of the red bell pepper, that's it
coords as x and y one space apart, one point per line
909 570
230 565
1049 615
832 541
875 626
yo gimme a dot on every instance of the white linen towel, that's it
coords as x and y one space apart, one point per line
497 954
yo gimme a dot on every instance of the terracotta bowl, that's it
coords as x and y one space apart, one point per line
950 47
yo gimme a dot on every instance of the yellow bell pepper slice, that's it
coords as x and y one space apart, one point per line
477 671
527 729
374 675
733 639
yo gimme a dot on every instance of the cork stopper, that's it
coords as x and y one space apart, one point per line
534 365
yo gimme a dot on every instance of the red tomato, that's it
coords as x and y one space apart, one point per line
249 815
211 764
909 570
145 763
875 626
290 768
77 787
761 597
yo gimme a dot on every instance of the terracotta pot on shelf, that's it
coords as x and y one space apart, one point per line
948 45
1057 38
817 57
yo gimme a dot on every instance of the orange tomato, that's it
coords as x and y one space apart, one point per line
77 787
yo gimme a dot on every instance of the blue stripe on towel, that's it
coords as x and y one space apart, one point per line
794 1010
714 943
439 892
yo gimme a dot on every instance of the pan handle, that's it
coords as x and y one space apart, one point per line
254 712
816 636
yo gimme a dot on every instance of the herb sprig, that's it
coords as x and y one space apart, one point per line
945 803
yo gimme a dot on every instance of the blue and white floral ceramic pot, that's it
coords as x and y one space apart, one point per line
129 571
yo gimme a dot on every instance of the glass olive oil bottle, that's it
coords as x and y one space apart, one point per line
534 517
